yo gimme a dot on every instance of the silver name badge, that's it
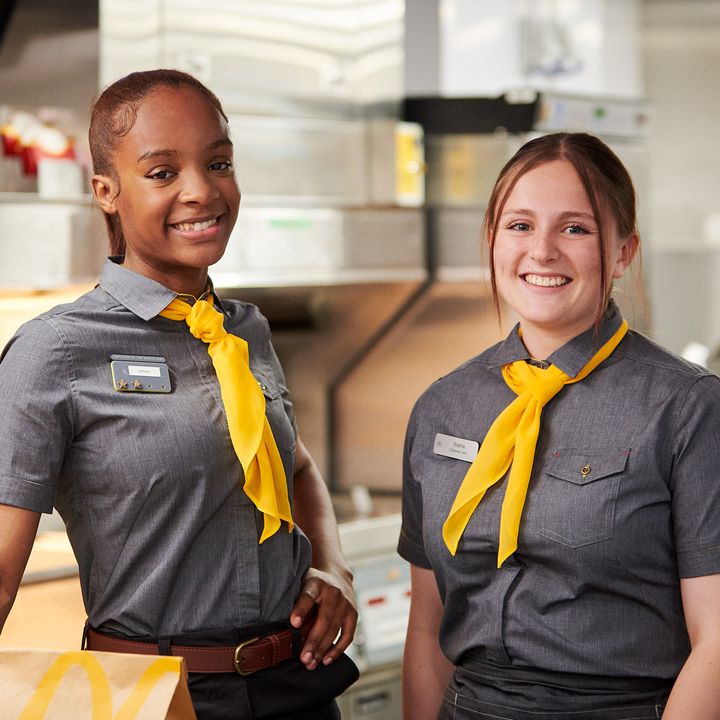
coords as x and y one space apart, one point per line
140 373
456 448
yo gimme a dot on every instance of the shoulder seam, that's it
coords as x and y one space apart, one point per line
678 367
676 419
71 365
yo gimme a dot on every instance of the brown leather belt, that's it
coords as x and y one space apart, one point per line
255 654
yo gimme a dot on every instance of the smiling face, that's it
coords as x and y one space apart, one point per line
546 256
173 188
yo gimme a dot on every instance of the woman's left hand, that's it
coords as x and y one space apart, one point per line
331 594
327 585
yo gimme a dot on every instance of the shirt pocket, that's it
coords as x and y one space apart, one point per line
282 428
577 495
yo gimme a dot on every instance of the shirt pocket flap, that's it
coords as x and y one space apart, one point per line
277 414
582 468
268 387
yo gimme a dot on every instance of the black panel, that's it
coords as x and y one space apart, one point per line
6 9
441 116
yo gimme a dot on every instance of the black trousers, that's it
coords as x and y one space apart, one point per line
285 692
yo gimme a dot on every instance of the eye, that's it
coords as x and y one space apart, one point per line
160 174
221 165
577 229
519 226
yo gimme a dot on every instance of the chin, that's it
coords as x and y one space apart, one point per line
205 257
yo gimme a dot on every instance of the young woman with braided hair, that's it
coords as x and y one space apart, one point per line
155 417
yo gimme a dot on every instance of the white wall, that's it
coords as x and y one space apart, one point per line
484 47
681 58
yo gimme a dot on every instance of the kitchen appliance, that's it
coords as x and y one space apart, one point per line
382 586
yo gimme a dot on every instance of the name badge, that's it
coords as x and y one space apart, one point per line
454 447
140 373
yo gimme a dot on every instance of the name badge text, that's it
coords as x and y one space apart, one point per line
455 447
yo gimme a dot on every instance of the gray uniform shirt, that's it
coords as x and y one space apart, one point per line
594 585
148 484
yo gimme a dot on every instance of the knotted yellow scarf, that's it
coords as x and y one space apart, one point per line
511 439
250 432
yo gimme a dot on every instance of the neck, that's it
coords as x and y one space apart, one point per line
541 344
184 281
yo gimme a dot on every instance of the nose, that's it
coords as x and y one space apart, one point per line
198 187
543 248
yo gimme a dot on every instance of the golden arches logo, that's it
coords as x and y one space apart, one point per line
100 690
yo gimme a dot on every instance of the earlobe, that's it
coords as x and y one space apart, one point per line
628 249
105 190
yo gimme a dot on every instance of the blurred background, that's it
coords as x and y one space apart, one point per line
368 134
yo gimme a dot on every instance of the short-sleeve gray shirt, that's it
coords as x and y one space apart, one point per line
594 584
148 484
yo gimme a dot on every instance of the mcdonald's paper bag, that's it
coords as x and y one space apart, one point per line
84 685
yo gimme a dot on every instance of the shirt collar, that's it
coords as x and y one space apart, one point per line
142 296
572 357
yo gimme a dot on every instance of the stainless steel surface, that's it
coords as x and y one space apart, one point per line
317 332
264 57
377 695
49 243
630 118
382 586
458 248
305 161
462 169
448 324
396 162
294 246
320 162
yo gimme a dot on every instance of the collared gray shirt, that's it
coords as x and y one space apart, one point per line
624 500
148 484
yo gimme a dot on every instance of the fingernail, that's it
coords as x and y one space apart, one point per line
327 661
307 657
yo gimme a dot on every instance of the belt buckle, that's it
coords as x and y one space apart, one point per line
236 658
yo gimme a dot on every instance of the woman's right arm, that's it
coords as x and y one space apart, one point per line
426 671
17 534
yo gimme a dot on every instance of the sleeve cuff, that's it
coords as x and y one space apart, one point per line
699 562
25 494
412 552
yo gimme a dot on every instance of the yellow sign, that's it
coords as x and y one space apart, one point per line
409 165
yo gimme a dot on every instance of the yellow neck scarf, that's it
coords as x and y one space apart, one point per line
250 432
511 439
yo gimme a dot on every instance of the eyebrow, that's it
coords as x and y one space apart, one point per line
562 216
167 152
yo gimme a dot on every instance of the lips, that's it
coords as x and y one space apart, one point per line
546 280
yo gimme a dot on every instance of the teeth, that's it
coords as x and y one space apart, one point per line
546 281
195 227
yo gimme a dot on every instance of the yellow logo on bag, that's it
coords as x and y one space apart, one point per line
101 693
